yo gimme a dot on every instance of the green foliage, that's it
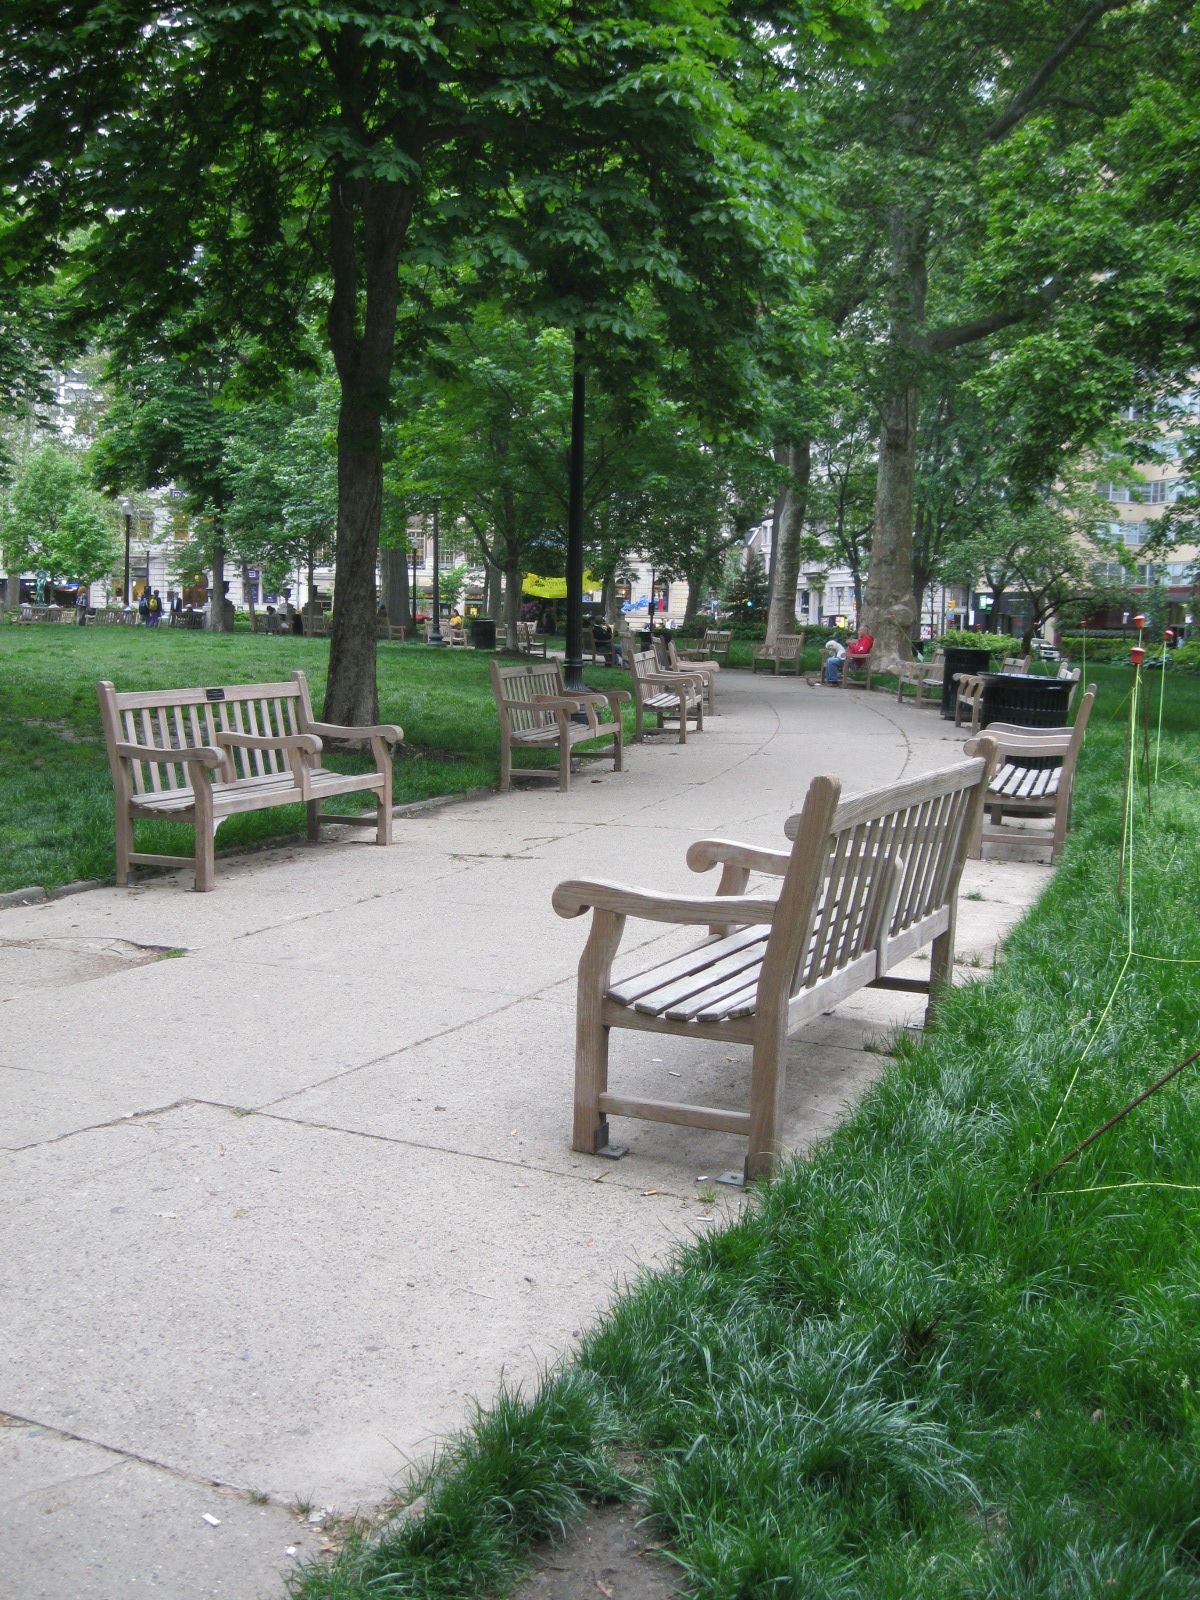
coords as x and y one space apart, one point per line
58 827
1186 658
1097 648
747 595
54 521
451 583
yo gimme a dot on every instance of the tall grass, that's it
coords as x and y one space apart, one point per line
902 1373
56 823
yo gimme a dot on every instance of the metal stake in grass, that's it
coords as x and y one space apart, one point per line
1036 1183
1136 656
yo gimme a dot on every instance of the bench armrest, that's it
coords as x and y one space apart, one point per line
578 895
307 742
1024 742
389 732
673 680
612 697
705 854
552 702
200 755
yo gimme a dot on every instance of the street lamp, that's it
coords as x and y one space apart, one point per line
414 552
127 509
436 636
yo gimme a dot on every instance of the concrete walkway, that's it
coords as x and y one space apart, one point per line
285 1168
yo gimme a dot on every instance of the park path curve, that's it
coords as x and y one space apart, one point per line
285 1168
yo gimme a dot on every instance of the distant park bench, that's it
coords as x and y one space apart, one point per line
537 712
787 651
668 696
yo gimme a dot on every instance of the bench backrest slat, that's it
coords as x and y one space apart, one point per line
522 683
867 870
183 719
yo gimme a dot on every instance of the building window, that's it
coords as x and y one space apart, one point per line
1163 491
1118 492
1134 533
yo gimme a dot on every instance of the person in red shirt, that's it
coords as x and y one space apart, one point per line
861 646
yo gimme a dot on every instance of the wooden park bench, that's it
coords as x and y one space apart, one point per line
714 646
537 712
668 696
1034 778
709 671
869 880
922 675
529 641
786 651
968 698
588 648
857 669
387 631
201 755
1015 666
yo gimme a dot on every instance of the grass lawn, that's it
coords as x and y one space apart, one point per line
56 824
901 1376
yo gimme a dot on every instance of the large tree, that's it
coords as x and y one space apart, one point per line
980 172
252 155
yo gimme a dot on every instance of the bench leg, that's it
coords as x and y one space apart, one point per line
1062 822
767 1080
619 745
590 1131
505 765
124 843
591 1081
313 809
941 965
383 815
206 839
564 764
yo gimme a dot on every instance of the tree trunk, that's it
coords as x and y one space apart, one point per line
368 222
249 593
393 566
792 510
351 696
218 621
890 611
512 601
493 591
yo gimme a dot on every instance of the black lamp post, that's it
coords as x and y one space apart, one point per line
127 509
436 636
412 601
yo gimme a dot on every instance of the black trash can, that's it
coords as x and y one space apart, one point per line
483 633
645 638
1029 702
960 658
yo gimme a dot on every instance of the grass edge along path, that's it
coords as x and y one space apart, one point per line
898 1375
56 824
